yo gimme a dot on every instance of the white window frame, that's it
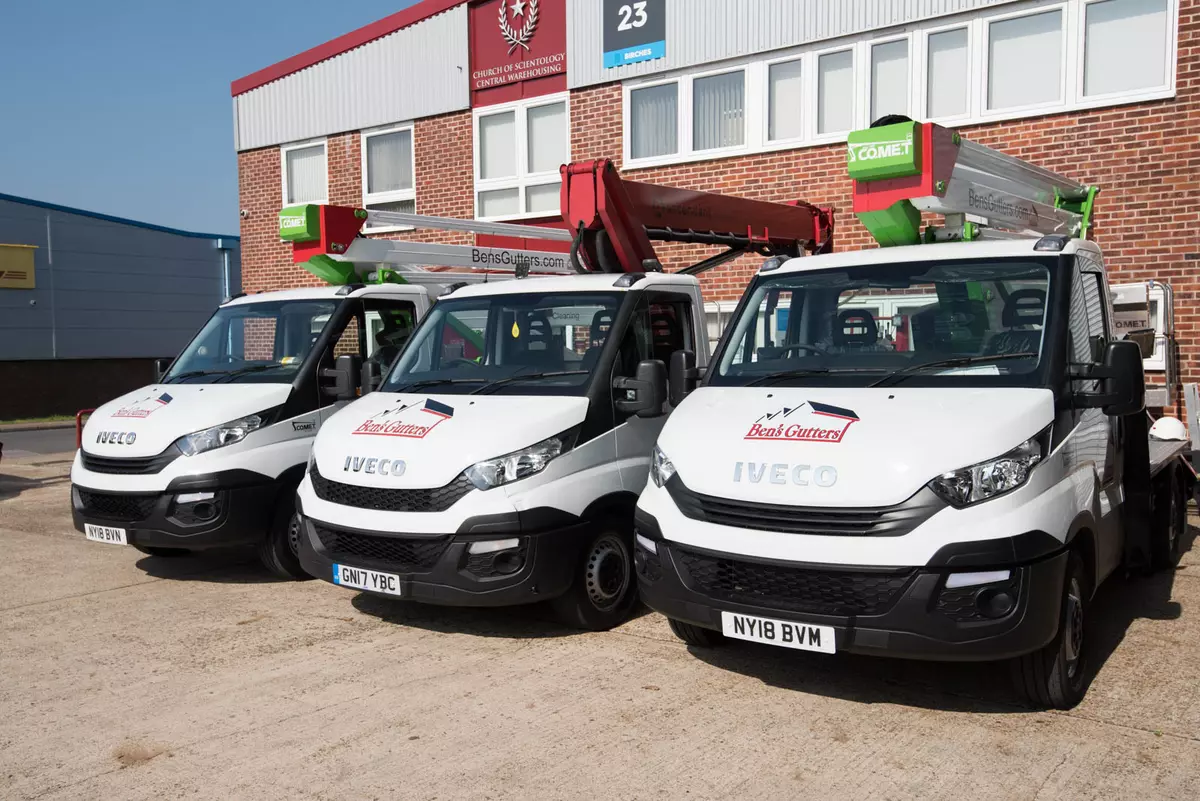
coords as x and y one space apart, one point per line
523 179
283 164
1133 95
868 71
687 134
394 196
976 23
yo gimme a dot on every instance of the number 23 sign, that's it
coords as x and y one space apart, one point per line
634 30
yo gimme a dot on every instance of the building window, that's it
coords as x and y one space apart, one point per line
519 148
835 92
948 81
1025 60
654 123
889 78
1126 46
719 111
785 103
305 178
982 66
388 173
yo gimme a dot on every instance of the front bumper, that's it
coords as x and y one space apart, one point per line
240 511
438 569
905 612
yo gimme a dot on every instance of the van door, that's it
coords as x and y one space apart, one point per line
664 323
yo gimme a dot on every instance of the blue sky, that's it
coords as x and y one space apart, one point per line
123 106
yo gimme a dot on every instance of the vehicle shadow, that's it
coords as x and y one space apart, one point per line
526 622
11 486
218 566
948 686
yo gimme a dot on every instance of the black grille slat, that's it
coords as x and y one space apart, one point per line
884 521
794 589
399 553
379 499
119 508
139 466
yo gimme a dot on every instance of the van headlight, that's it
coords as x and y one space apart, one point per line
985 480
222 435
661 468
492 473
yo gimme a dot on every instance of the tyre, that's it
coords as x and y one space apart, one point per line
695 635
280 551
1168 520
1056 676
165 553
603 591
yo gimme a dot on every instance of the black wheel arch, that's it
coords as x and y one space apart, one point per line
1081 538
616 504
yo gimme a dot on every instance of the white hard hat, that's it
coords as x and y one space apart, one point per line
1169 428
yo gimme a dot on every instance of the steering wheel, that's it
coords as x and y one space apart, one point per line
803 346
467 362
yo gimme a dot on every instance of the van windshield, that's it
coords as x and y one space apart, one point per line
519 344
920 323
261 343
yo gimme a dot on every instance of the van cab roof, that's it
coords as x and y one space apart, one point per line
590 282
328 292
942 251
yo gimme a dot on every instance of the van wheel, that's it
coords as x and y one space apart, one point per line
603 592
695 635
1056 676
1168 520
164 553
280 551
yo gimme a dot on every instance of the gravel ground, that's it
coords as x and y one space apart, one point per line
124 676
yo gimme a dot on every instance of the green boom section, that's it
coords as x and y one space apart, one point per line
300 223
889 151
898 224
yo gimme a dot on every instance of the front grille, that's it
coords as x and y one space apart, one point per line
859 521
140 466
794 589
400 553
391 500
121 508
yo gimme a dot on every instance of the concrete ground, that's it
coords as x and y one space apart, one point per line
129 677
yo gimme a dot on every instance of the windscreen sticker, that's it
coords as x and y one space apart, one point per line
808 422
144 407
413 421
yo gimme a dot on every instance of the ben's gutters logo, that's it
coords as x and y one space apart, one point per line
808 422
992 203
873 151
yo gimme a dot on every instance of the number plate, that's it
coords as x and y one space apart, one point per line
362 579
113 536
801 636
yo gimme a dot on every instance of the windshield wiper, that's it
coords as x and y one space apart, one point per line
433 382
960 361
513 379
254 368
799 373
170 379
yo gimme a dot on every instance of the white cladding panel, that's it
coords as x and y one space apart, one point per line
419 71
706 31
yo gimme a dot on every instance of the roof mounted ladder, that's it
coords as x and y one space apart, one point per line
906 168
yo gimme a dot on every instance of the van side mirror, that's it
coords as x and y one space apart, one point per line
341 383
161 366
683 376
1122 381
645 394
372 377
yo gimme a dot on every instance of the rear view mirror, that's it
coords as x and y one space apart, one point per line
341 383
372 377
161 366
1122 381
683 375
645 394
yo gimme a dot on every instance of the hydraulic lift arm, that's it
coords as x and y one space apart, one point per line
611 224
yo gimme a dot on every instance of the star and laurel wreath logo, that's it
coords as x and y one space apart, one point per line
525 10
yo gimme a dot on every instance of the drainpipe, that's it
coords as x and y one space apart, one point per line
225 246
